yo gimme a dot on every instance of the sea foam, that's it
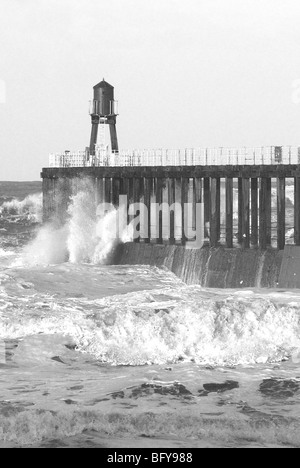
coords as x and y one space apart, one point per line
166 326
83 238
30 208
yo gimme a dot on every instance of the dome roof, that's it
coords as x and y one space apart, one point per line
103 84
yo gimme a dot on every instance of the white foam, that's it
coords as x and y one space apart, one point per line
6 253
235 330
29 208
142 328
82 239
48 247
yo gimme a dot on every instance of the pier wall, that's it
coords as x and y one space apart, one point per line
208 267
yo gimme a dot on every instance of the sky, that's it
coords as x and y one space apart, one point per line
188 73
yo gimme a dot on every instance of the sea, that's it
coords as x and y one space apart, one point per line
95 355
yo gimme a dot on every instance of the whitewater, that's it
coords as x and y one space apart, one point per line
100 355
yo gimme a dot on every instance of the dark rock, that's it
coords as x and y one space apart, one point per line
10 347
57 359
176 389
279 388
218 387
77 387
116 395
98 400
71 347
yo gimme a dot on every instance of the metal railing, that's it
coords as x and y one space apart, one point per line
179 157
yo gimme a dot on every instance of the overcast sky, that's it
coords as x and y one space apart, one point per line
188 73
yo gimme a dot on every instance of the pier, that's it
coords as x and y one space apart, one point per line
244 204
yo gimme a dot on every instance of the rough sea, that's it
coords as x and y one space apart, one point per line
93 355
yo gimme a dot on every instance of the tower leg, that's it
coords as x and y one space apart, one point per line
94 133
113 137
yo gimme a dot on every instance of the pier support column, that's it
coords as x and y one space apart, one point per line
185 211
116 188
137 194
229 212
171 201
246 212
159 199
197 199
147 201
130 199
99 190
265 212
240 210
107 190
141 200
254 211
178 211
218 207
198 190
214 212
153 214
280 213
206 196
297 211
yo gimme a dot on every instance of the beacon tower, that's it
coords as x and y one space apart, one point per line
103 111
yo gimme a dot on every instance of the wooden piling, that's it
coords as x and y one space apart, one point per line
147 201
206 196
99 190
107 190
116 189
171 201
229 212
254 211
197 198
214 211
184 212
240 210
265 212
137 192
218 208
178 211
297 210
246 212
153 223
280 213
159 199
130 199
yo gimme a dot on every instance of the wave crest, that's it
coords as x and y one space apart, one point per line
170 325
84 237
30 209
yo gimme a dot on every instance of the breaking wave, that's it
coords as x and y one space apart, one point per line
167 326
142 330
84 237
29 209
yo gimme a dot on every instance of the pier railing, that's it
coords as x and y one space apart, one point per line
263 155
